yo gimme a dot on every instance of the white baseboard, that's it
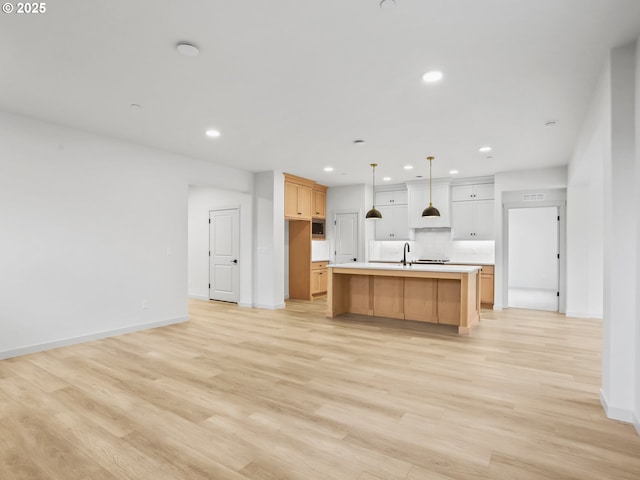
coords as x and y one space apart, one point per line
497 307
636 423
87 338
595 316
198 297
615 413
245 304
269 307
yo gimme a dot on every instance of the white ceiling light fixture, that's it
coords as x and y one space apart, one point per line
187 49
485 149
212 133
453 172
328 169
386 4
408 167
550 124
432 76
386 179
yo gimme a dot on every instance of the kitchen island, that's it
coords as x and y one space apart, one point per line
444 294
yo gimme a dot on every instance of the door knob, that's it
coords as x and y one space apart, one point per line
234 260
355 259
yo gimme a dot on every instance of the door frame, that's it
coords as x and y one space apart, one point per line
216 209
562 235
358 214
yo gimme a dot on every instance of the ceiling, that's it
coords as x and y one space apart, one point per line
291 84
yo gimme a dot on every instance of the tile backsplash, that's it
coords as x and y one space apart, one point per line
320 250
434 244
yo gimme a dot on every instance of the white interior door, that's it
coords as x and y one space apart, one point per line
224 250
346 237
534 266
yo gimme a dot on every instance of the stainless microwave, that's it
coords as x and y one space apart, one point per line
317 228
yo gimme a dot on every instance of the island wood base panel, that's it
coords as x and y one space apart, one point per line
446 298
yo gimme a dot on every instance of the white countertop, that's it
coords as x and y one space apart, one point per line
449 262
415 268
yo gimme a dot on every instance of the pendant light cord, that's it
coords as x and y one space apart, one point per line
373 178
430 176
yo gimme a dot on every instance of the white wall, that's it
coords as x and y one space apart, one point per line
348 199
585 214
636 415
268 240
527 180
91 228
620 192
603 229
201 201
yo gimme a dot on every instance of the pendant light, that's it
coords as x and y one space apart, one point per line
374 213
430 211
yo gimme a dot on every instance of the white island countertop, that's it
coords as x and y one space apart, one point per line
408 267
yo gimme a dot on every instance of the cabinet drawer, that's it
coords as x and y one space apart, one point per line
319 265
488 269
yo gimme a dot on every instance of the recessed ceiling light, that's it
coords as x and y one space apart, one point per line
187 49
453 172
387 3
358 142
550 124
386 179
485 149
212 133
136 106
432 76
408 167
328 169
489 157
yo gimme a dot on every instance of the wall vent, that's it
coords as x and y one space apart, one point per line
533 197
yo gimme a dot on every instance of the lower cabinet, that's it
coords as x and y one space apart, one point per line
318 278
486 285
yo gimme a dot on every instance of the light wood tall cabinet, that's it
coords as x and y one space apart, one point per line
298 198
319 203
303 200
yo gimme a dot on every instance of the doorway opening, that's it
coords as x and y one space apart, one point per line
533 262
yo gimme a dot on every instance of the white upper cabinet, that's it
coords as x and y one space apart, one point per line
394 223
419 200
392 197
480 191
472 211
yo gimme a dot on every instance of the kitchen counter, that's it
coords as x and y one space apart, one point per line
450 262
397 266
443 294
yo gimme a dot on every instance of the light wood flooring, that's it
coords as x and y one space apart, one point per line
252 394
